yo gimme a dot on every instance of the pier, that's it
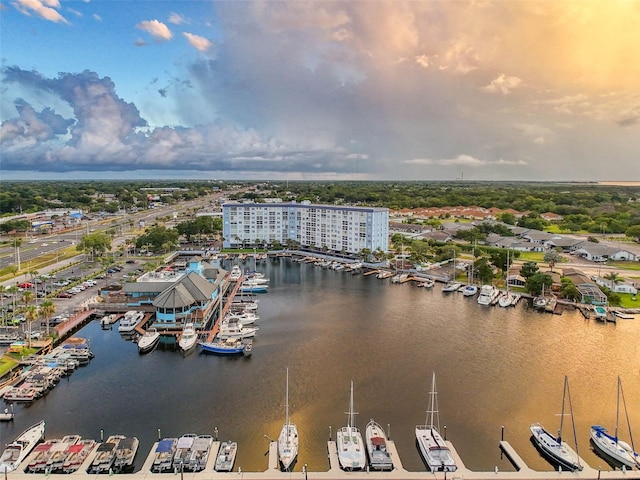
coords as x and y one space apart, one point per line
523 472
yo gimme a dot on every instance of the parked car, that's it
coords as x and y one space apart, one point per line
65 295
25 285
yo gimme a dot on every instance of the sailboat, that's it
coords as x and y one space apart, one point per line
434 450
452 285
555 448
610 446
288 439
351 449
507 299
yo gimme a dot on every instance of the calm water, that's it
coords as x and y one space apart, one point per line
494 367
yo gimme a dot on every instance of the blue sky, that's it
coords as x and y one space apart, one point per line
419 90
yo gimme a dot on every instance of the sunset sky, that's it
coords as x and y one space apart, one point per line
418 90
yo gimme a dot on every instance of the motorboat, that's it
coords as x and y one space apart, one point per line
434 450
107 321
105 455
487 294
59 452
376 440
351 448
130 321
189 338
288 438
251 286
149 340
39 456
7 414
428 283
226 456
611 446
200 451
235 274
451 287
163 455
470 290
125 453
246 318
555 448
15 452
234 346
232 327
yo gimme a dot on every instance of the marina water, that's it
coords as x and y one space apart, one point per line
495 367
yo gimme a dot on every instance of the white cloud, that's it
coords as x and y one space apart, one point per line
463 161
46 9
198 42
158 30
176 19
503 84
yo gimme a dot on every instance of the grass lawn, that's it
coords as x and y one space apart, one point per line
628 300
635 266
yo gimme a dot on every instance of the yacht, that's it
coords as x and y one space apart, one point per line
434 449
233 328
149 340
351 449
189 338
487 293
130 321
451 287
470 290
235 274
16 451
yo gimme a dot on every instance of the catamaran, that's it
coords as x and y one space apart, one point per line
610 446
351 449
434 450
288 439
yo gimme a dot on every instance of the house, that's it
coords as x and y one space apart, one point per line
616 287
437 236
588 290
598 252
551 217
567 244
536 236
407 228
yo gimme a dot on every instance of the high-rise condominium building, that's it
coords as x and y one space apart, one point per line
332 228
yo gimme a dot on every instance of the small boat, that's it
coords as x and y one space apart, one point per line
225 347
38 459
130 321
428 283
555 448
384 274
199 453
16 451
351 449
149 340
451 287
610 446
7 414
376 439
59 452
246 318
105 455
506 300
470 290
163 455
8 338
251 286
189 338
288 438
125 453
226 457
435 451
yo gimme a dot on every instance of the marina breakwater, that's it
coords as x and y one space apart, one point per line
522 472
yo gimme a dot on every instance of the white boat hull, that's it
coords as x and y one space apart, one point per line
379 455
556 450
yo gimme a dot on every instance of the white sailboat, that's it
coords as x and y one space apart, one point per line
555 448
288 439
434 450
507 299
351 449
610 446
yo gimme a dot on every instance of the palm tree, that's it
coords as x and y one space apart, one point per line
47 309
614 278
30 315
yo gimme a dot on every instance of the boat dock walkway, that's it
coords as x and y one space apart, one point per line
523 472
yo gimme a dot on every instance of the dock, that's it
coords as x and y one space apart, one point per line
334 472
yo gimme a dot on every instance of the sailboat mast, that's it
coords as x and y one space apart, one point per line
617 408
564 393
433 417
624 404
286 407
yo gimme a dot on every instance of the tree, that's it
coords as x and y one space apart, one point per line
47 309
614 278
529 269
30 315
633 232
483 270
552 257
536 282
569 290
95 243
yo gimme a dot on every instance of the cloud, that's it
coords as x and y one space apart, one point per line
46 9
503 84
158 30
463 161
198 42
176 19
